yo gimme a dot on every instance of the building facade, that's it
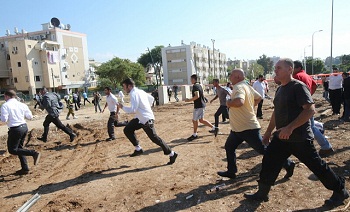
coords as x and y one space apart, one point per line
54 57
180 62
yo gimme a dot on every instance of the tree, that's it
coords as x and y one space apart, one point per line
154 57
113 72
345 63
254 71
266 63
319 66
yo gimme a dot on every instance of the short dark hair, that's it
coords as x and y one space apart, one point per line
128 82
335 68
108 88
194 76
10 93
216 80
260 76
43 89
298 64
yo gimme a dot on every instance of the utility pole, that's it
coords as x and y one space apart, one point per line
212 40
154 68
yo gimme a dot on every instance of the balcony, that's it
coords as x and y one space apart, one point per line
5 74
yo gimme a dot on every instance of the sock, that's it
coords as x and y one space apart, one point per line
194 134
138 148
213 128
171 153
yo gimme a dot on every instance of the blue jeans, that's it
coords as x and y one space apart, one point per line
253 138
319 137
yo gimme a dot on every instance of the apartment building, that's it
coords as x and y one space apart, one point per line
54 57
180 62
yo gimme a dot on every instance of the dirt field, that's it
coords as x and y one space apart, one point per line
91 174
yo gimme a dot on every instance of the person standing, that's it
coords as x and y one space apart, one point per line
325 88
14 113
50 103
70 106
346 95
169 91
121 96
176 88
97 99
85 96
144 118
111 102
221 93
199 107
260 86
293 108
335 90
244 124
37 99
301 75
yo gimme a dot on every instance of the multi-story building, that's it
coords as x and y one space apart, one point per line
180 62
54 57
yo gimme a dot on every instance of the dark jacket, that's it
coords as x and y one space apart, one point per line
51 102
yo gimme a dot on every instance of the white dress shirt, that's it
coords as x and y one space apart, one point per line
141 105
13 113
112 102
260 88
335 81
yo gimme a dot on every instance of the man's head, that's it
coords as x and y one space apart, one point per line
335 70
108 90
9 94
216 82
237 75
193 78
345 75
298 66
261 78
284 69
128 85
43 90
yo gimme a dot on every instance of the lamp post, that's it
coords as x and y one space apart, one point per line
305 57
212 40
312 66
332 40
154 69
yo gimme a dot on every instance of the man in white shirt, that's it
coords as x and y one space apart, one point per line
335 90
111 102
144 118
14 113
121 96
260 86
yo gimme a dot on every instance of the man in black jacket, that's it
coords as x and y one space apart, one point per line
51 103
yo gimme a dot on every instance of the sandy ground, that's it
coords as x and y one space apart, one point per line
91 174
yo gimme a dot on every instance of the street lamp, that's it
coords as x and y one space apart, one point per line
332 40
305 57
212 40
154 68
312 66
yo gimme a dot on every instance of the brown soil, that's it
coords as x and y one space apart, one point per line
91 174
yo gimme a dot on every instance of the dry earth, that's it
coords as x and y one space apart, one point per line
91 174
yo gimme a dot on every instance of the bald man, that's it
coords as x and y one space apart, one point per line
244 124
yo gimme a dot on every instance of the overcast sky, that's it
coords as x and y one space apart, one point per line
243 29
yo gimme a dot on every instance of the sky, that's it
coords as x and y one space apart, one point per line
242 29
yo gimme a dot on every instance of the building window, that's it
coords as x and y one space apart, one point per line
35 63
27 78
19 64
30 46
15 79
8 57
66 76
44 61
37 78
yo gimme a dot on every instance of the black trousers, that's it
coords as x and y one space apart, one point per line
149 129
86 99
15 141
259 110
110 125
278 151
335 97
221 110
48 120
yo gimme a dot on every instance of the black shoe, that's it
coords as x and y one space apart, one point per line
22 172
72 137
172 158
227 174
216 131
290 171
257 197
36 158
42 139
192 137
325 152
260 117
110 139
136 153
337 198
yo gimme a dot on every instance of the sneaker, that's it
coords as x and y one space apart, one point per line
75 117
72 137
137 153
42 139
110 139
337 198
192 137
172 158
22 172
36 158
227 174
325 152
289 171
67 118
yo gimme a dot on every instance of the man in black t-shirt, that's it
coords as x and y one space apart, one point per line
199 107
293 136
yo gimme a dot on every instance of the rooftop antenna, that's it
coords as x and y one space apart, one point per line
55 22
